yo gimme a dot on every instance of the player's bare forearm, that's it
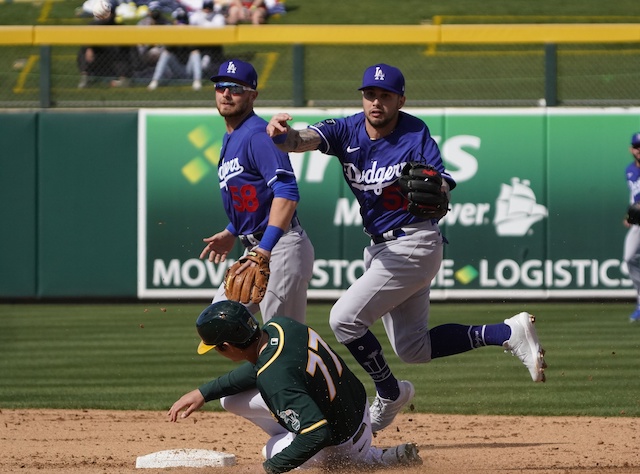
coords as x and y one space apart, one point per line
301 140
281 212
295 140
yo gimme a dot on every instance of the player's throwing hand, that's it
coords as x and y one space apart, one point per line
278 125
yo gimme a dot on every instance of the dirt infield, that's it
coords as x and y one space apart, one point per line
94 441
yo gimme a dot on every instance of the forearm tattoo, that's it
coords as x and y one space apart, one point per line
302 140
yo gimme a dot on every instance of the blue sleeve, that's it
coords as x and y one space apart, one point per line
267 159
286 187
232 229
333 132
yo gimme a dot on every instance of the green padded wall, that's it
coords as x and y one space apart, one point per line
87 204
18 253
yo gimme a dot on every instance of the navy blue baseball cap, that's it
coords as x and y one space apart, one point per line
235 70
635 139
385 77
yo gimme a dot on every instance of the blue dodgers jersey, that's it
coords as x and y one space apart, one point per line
249 163
372 167
633 180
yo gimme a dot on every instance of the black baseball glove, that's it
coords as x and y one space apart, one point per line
421 184
633 214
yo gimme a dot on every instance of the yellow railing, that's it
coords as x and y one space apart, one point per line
324 34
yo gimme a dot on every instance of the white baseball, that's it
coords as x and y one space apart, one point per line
101 9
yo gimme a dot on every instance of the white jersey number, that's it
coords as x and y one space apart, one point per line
315 362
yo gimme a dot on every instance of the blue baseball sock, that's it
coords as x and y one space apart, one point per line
450 339
368 352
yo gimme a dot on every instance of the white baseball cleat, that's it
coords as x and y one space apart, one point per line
153 85
524 344
383 410
403 454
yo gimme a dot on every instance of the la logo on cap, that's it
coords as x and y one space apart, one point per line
379 75
231 68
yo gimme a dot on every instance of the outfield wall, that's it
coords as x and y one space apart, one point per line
115 205
68 204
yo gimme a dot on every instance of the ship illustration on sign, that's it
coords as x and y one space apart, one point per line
517 209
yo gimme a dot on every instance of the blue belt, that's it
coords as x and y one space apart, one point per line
251 240
387 236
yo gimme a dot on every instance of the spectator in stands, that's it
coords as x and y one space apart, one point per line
212 14
155 16
240 11
106 61
148 55
178 62
256 12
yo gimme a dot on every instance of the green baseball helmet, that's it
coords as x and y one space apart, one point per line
225 321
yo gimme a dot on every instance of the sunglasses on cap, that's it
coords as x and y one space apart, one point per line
235 89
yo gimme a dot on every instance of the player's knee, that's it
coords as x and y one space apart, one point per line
346 321
235 404
339 319
335 322
343 328
340 327
227 404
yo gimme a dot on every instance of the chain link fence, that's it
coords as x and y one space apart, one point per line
325 75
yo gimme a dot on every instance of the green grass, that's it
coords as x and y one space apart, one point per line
137 356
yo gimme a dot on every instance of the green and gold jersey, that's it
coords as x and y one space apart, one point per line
309 389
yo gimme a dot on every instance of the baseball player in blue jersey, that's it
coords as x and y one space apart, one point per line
632 240
260 196
406 251
295 387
